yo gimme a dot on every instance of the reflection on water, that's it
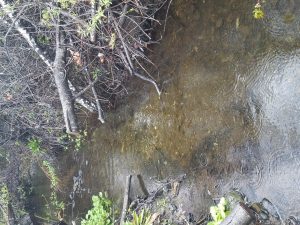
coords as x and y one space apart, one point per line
228 117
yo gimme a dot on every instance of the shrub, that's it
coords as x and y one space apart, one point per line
219 212
101 212
143 218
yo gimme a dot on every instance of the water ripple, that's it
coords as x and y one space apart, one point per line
282 19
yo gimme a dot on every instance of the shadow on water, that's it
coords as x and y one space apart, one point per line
228 117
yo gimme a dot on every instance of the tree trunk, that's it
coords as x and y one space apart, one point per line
61 82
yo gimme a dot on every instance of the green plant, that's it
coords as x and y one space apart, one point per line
101 212
65 4
43 39
54 203
4 200
76 142
143 218
4 195
219 212
51 174
162 203
258 13
98 18
34 145
48 15
96 73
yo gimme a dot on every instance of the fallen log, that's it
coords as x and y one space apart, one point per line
240 215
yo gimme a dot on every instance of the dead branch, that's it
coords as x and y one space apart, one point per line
126 199
86 88
61 82
122 17
100 116
90 106
129 61
94 5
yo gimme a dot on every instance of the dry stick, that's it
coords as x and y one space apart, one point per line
125 62
149 80
122 40
142 185
90 106
83 102
126 199
94 9
164 30
129 60
100 116
12 24
122 17
86 88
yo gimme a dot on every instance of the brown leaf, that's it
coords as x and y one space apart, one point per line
76 58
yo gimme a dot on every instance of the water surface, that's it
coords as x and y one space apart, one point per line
228 116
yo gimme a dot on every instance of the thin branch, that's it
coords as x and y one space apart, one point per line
130 61
86 88
149 80
100 116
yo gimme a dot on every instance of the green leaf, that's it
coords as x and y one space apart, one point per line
219 212
212 223
258 13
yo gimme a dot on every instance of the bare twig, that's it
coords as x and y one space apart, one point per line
149 80
129 61
99 108
166 18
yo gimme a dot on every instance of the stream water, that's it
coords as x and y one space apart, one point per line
228 116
